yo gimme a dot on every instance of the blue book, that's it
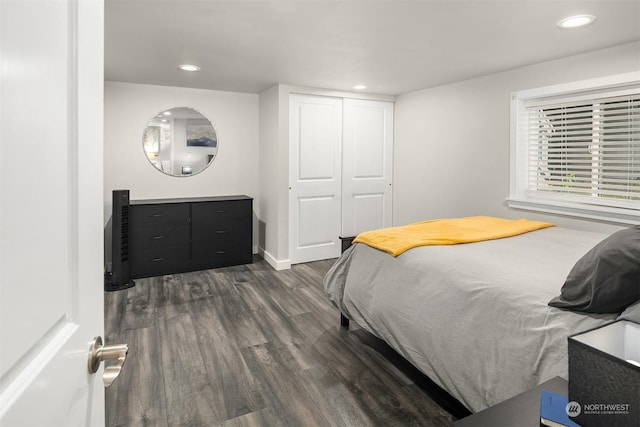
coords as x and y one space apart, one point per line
553 410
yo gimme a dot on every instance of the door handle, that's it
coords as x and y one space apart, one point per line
100 353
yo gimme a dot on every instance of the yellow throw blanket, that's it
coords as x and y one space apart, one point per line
396 240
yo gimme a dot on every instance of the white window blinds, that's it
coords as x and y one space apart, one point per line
586 150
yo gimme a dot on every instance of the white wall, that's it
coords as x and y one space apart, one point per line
127 109
451 155
272 167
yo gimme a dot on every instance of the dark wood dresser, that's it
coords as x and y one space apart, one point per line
169 236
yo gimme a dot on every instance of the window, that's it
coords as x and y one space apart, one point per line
576 149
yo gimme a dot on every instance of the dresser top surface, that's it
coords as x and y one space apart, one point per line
190 200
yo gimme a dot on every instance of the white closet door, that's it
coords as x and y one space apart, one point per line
315 138
367 166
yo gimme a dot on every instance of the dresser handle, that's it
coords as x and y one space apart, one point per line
157 259
221 231
220 211
157 237
221 252
156 215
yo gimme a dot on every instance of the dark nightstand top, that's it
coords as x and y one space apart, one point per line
522 410
346 241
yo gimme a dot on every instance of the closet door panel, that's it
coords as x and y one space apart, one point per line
367 163
314 210
315 144
365 139
367 212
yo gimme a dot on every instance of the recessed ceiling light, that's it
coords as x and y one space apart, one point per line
188 67
359 87
576 21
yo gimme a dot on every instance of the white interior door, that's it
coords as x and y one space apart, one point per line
367 162
51 263
315 136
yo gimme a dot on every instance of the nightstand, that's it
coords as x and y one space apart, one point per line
522 410
346 242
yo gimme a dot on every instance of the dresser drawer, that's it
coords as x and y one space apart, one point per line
224 231
159 215
143 238
221 212
158 262
206 255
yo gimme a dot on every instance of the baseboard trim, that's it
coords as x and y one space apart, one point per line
277 265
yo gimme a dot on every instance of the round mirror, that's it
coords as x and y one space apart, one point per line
180 142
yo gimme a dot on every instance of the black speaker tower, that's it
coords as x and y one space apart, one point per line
119 279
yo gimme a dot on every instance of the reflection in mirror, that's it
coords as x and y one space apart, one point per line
180 142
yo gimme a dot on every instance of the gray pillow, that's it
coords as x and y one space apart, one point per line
607 278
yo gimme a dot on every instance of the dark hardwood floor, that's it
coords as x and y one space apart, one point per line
251 346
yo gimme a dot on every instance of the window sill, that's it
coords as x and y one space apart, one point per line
592 212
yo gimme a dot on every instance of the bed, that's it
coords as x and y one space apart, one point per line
473 317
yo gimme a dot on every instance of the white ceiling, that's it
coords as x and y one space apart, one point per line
393 47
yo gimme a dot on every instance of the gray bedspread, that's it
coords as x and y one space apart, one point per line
473 317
